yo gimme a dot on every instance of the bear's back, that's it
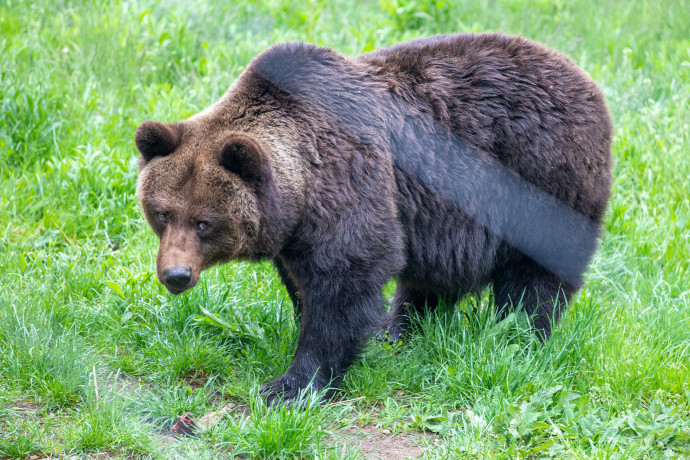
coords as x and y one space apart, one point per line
530 108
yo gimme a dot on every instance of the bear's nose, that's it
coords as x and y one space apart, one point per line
177 277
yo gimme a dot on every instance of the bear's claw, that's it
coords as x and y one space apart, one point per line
283 390
288 390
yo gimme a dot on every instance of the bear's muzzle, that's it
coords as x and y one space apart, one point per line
177 279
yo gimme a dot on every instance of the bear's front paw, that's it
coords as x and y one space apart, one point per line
289 389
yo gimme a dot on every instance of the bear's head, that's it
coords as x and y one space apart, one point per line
201 191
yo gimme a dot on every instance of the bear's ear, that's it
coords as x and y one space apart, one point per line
155 139
244 157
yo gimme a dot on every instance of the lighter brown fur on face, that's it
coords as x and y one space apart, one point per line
207 182
202 213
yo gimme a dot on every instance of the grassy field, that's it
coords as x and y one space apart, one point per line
96 359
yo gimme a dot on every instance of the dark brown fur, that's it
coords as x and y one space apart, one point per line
448 163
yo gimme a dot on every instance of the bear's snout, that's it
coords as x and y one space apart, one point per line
177 279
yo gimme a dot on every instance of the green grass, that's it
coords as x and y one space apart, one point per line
95 356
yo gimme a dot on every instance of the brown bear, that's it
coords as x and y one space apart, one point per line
448 163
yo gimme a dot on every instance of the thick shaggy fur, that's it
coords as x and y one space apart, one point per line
448 163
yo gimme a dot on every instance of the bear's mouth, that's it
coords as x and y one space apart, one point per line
178 291
173 290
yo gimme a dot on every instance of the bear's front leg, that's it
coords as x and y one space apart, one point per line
339 311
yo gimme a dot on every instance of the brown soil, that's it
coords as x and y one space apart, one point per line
380 444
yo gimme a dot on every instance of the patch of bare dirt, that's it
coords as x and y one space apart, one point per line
195 379
26 406
380 444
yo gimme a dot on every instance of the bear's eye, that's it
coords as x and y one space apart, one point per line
163 217
202 225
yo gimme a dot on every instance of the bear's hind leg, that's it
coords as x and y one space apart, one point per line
543 295
407 302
